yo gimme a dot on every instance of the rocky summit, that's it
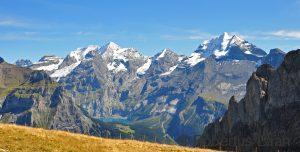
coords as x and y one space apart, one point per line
23 63
1 60
267 118
112 90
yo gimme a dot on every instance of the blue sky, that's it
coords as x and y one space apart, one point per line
32 28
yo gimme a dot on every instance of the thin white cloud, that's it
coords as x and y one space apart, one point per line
12 23
269 35
30 36
186 35
171 37
19 36
181 37
196 37
286 34
83 33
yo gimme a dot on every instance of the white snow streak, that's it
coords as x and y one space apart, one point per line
142 70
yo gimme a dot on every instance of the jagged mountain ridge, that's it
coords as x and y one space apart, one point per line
267 117
23 63
164 92
224 47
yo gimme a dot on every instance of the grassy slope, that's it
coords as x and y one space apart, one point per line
18 138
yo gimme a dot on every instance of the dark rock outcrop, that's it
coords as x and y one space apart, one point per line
267 118
274 58
23 63
1 60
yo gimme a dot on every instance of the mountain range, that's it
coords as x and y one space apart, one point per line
115 90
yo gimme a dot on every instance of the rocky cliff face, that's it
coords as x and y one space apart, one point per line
10 77
92 88
267 118
40 102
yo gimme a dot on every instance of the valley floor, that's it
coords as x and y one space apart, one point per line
18 138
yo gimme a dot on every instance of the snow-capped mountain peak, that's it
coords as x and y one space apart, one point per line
165 53
80 53
48 58
117 56
47 63
236 40
110 46
225 46
225 40
113 51
222 45
216 46
73 60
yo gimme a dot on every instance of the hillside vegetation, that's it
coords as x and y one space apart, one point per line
18 138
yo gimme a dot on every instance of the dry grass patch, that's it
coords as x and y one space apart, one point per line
17 138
